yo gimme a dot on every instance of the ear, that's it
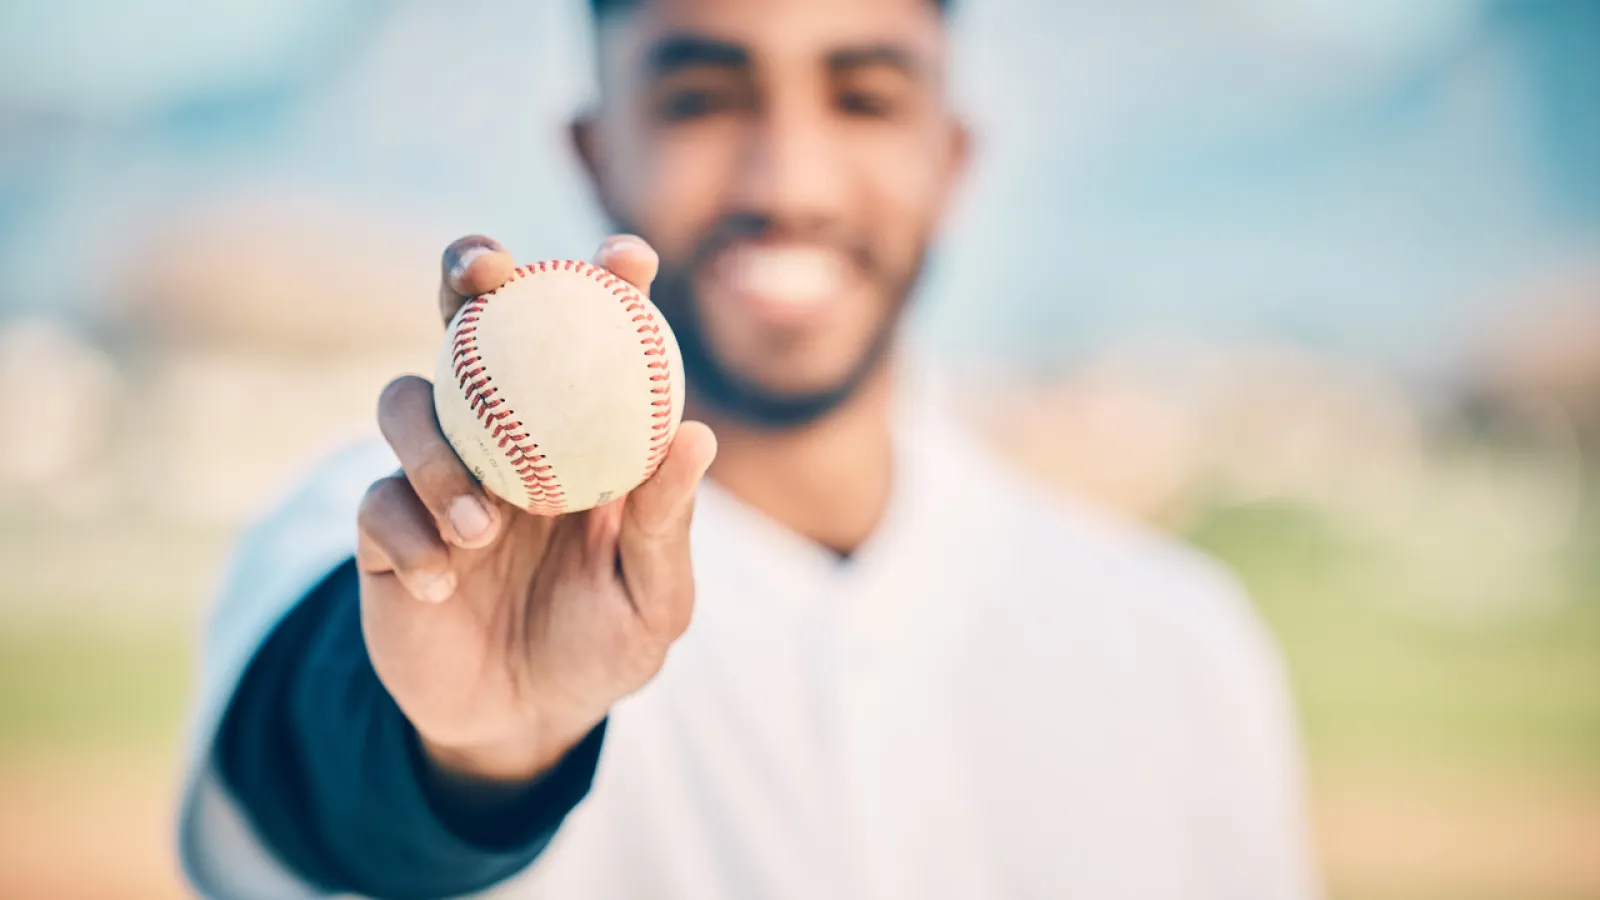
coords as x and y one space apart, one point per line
582 132
957 160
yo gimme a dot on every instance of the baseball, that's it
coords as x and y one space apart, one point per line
561 389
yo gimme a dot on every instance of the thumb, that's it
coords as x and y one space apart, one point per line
654 540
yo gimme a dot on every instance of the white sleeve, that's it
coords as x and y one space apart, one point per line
1250 782
277 562
1272 791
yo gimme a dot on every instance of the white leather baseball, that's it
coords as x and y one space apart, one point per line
561 389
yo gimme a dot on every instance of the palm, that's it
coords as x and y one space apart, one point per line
542 630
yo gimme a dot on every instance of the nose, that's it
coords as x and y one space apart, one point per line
791 173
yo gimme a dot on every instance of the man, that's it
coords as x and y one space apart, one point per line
908 676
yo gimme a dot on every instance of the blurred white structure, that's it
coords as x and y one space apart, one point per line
59 406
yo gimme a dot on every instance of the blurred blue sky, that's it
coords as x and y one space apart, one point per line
1365 174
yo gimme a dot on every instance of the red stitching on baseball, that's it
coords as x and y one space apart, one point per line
544 490
655 353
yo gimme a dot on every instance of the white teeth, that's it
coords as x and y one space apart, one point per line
791 275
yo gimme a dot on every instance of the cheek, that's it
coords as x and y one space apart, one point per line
904 187
677 183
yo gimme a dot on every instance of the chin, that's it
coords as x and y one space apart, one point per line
799 382
781 393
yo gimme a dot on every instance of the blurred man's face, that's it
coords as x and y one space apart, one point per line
789 160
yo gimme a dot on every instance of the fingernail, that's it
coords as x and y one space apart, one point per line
440 589
618 242
469 517
464 261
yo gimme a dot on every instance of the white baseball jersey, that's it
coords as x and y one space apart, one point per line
1000 695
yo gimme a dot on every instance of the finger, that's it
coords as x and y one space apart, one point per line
443 484
472 265
583 545
653 544
633 260
397 534
601 527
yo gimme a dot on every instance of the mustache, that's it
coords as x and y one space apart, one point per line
731 229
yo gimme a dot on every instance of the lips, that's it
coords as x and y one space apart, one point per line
785 282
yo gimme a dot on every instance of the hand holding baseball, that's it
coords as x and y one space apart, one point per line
503 635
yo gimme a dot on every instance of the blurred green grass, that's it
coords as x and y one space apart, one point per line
1380 671
1388 664
1373 672
72 687
98 624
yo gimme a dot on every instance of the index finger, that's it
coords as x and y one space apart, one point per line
442 483
471 266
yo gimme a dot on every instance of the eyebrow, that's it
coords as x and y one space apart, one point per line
891 56
676 53
686 51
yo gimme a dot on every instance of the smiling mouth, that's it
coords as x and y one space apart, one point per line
788 282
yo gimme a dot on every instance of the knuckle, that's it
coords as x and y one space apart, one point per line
667 617
657 657
381 495
676 615
383 499
402 392
391 517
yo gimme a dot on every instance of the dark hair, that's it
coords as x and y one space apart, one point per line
603 8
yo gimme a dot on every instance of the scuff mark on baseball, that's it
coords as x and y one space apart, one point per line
561 389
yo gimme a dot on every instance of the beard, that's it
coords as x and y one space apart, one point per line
743 399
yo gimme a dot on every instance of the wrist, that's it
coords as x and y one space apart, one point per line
487 796
506 764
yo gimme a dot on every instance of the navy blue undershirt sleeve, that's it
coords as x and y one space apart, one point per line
330 774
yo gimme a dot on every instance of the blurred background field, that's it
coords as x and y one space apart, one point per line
1452 711
1314 285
